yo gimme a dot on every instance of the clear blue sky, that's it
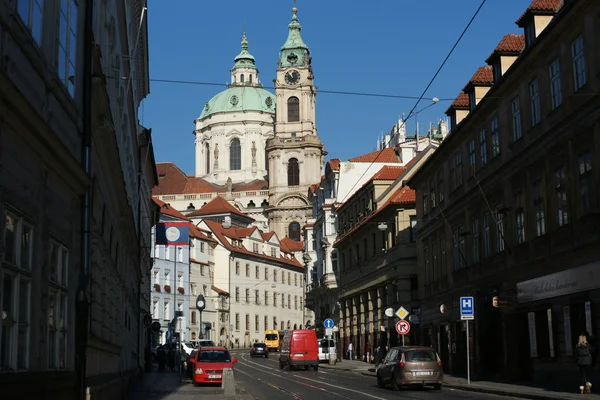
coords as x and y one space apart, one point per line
379 46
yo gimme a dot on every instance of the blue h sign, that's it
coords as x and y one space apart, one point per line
467 308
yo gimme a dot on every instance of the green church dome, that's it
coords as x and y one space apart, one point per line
240 98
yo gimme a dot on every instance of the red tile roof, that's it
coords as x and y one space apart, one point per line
218 205
543 7
483 76
166 209
512 44
405 195
172 180
240 233
199 234
387 155
220 291
290 245
198 262
461 102
334 164
267 236
388 173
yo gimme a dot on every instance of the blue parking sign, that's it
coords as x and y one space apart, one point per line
467 308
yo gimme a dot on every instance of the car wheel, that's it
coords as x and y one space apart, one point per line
306 367
437 387
266 356
280 365
316 367
380 382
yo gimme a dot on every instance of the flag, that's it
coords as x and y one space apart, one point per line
173 233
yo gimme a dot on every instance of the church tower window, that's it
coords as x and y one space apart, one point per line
293 105
249 78
242 78
207 157
235 155
294 231
293 172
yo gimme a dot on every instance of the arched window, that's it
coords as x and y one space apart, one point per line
193 317
249 78
294 231
242 78
193 335
293 172
293 109
207 157
235 155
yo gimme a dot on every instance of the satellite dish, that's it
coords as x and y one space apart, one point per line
389 312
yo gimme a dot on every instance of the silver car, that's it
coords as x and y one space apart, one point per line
410 366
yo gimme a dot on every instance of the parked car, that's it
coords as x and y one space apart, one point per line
187 347
410 366
205 343
299 349
208 364
259 349
326 347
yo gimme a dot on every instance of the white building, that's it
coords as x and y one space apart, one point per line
75 234
257 149
258 279
170 282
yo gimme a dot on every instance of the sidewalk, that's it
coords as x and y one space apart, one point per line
168 386
349 365
505 389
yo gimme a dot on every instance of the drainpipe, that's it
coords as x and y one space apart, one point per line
82 305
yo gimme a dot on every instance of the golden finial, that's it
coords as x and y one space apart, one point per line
294 9
244 38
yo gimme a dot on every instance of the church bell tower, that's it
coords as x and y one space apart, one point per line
295 155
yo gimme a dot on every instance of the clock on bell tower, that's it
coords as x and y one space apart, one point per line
295 155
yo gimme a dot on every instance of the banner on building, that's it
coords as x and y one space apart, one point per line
173 233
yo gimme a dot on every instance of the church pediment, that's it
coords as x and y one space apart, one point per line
293 201
234 133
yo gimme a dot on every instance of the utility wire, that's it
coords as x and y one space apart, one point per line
422 94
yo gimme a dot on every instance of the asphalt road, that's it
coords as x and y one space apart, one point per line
263 379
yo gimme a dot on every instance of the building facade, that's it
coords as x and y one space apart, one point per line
75 201
377 258
258 280
508 206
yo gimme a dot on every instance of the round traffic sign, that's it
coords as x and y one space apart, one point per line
403 327
328 323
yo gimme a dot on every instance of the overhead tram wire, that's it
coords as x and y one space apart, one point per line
422 94
339 92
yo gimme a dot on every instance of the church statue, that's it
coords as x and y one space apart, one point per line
229 185
253 153
216 155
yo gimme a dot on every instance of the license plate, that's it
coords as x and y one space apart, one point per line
422 373
214 377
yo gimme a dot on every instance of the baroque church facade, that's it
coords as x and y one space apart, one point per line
259 151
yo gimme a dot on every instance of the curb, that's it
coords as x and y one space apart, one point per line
503 392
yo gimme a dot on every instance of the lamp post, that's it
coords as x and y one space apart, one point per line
306 259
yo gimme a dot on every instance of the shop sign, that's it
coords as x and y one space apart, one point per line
574 280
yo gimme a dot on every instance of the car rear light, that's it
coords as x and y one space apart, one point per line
254 348
440 363
402 361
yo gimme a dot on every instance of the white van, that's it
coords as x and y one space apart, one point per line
326 346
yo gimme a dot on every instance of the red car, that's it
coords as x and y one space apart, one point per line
208 364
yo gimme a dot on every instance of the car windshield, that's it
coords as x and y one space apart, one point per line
272 336
206 343
326 343
214 356
420 356
261 345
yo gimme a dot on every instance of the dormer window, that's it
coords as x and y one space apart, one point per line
530 33
472 102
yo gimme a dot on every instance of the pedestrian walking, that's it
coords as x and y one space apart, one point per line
584 350
350 351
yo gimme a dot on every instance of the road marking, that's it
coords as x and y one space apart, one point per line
316 381
274 386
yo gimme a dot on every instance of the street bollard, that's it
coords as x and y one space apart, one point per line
228 383
332 359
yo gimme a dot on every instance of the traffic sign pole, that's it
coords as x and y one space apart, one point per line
468 357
